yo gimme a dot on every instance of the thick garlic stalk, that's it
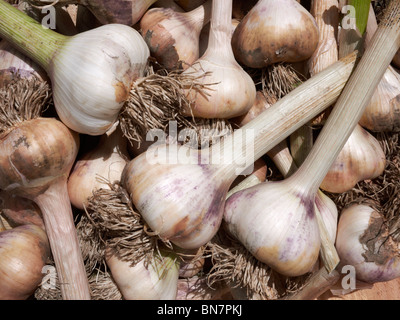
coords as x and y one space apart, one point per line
280 227
91 73
155 280
24 252
181 197
94 169
365 243
361 158
275 31
383 111
172 36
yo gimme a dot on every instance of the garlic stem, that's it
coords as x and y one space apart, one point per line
353 100
201 15
287 115
63 239
219 40
28 35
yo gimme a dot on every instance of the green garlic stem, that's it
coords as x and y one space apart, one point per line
28 35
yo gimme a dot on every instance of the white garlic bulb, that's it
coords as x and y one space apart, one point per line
156 281
364 242
361 158
103 64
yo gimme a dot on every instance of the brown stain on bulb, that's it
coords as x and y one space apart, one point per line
121 92
163 42
381 248
35 152
258 41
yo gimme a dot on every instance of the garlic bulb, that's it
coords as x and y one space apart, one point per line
172 36
383 111
275 31
191 261
180 193
157 280
35 160
20 211
102 76
91 73
361 158
106 161
24 251
364 242
233 91
13 63
281 226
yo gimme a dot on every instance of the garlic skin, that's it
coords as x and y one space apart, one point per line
382 113
182 214
157 281
106 161
19 211
173 37
13 63
233 91
24 251
329 213
364 242
103 64
361 158
27 164
275 31
279 228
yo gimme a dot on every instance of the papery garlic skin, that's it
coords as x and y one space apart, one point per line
157 281
382 114
275 31
103 64
29 162
279 228
231 91
96 168
24 251
173 37
329 213
361 158
182 203
13 63
359 227
232 94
